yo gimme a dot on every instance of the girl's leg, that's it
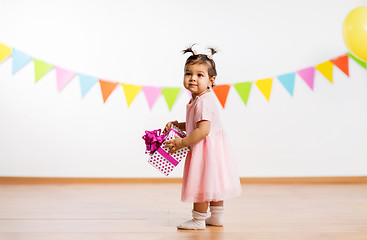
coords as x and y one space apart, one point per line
201 207
216 218
219 203
199 214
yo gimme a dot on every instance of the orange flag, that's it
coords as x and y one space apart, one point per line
107 88
342 63
221 91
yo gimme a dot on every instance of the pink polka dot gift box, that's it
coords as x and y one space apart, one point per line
158 153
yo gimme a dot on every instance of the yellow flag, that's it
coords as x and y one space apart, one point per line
131 91
265 86
4 52
326 69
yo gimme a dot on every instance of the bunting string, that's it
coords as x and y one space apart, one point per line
170 94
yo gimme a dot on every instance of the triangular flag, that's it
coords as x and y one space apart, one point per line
308 75
41 68
63 76
342 63
326 68
243 90
20 59
86 83
265 86
151 94
107 88
131 91
170 94
287 81
4 52
221 91
360 62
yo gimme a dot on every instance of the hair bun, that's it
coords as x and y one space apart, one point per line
189 49
213 50
201 59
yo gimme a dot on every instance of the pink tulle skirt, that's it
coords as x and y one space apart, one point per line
210 172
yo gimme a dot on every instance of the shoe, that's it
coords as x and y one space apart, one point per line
216 217
196 223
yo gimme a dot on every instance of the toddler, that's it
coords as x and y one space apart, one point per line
209 174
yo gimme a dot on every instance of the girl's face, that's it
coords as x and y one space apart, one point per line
196 79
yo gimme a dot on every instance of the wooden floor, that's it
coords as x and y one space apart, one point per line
152 211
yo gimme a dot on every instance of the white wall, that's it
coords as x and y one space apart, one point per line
49 134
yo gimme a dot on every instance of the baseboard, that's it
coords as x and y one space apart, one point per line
306 180
268 180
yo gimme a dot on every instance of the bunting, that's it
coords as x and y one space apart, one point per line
86 83
41 68
287 80
20 59
130 92
63 76
151 94
243 89
170 94
342 63
360 62
265 86
107 88
5 52
308 75
326 68
221 91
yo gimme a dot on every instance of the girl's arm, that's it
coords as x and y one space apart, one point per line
181 125
202 130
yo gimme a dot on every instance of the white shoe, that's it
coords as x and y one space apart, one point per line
196 223
216 218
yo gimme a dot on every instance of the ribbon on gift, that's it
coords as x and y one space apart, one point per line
153 139
167 156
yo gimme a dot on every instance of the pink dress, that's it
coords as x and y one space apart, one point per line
210 172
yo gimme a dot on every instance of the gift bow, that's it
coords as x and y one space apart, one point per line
153 139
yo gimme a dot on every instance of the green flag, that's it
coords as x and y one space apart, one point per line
170 94
41 68
363 64
243 90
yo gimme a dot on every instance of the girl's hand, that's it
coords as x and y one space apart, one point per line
174 144
168 126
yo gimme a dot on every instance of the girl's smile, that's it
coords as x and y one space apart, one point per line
197 79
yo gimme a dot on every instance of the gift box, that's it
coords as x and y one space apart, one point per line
158 153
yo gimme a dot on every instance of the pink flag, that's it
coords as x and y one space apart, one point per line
308 75
151 94
63 76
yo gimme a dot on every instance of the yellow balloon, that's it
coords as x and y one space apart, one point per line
355 32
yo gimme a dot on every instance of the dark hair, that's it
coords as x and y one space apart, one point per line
201 59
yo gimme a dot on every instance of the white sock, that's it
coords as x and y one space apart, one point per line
216 218
197 222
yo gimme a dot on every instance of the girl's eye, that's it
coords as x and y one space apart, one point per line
187 74
200 75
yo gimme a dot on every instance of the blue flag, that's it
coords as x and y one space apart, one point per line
86 83
20 59
288 81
